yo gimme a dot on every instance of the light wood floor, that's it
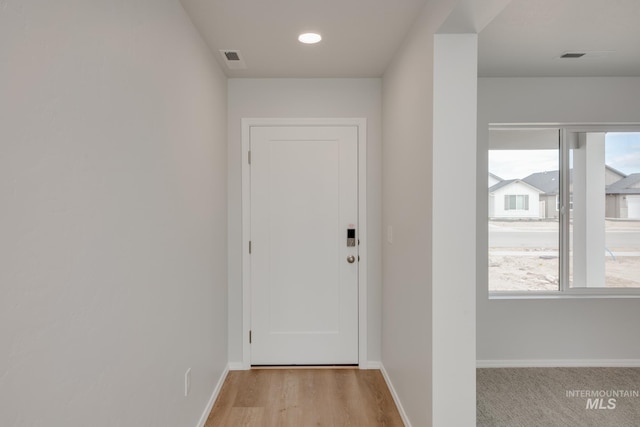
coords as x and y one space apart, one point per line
304 397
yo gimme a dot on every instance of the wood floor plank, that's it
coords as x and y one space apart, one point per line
224 403
284 409
380 402
246 417
304 397
349 406
255 387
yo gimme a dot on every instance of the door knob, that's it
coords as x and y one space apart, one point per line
351 259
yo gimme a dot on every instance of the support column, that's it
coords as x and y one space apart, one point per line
454 230
589 211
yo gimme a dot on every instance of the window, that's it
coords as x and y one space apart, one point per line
573 224
524 231
604 231
516 202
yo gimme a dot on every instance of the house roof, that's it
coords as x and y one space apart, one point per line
501 184
508 182
494 176
628 185
547 182
616 171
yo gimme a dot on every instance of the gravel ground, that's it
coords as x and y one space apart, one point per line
533 271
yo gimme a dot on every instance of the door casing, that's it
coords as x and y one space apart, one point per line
361 124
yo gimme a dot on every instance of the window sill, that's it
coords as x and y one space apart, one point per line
598 293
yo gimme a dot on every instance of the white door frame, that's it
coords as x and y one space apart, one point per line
361 124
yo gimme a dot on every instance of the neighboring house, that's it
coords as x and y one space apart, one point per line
623 198
549 184
612 175
616 203
514 199
494 179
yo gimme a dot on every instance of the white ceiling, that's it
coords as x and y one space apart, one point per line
527 38
361 36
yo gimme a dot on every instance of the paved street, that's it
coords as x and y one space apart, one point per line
549 239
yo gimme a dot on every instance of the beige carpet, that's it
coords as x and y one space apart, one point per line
563 397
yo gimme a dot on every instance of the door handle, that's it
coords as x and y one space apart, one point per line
351 259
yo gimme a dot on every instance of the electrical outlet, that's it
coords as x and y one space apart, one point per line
187 382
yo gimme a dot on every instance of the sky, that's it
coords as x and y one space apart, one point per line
512 164
622 152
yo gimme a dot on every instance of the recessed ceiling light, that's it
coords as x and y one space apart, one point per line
309 38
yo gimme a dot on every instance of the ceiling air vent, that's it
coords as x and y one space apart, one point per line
587 54
232 56
233 59
573 55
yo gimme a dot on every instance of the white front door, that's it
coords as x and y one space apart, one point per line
304 276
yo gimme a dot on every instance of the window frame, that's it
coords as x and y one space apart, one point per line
558 202
568 133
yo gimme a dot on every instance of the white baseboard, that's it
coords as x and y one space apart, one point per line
214 396
372 365
236 366
239 366
559 363
396 399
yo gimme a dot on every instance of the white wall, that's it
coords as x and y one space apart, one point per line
551 329
287 98
407 159
454 224
113 219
